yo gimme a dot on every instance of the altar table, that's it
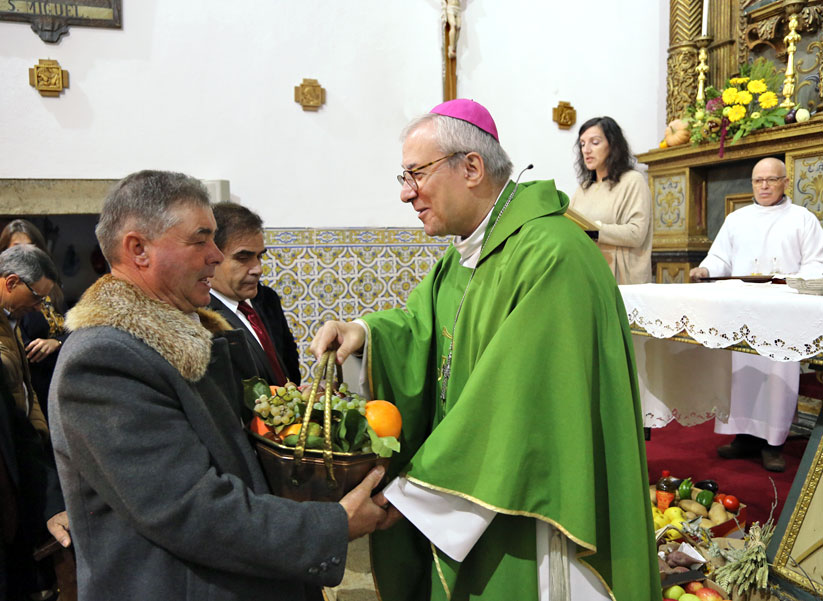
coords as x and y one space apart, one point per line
690 382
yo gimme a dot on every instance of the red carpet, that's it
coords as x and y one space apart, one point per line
692 452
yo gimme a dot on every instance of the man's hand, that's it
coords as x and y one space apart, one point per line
365 515
392 515
347 337
40 348
698 273
58 526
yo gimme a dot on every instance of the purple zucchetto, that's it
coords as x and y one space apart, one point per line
469 111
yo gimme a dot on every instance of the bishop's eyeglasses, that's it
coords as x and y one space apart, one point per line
769 181
409 176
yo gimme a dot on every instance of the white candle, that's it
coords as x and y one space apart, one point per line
705 30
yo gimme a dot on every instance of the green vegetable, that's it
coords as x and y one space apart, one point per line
705 498
685 489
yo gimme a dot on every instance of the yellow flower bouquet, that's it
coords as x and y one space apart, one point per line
747 103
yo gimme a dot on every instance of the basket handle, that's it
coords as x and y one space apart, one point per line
325 370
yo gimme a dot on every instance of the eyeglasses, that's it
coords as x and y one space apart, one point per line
409 176
770 181
38 297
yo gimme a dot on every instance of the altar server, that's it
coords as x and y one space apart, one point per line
523 467
771 235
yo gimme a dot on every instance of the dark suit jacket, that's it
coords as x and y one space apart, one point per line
29 491
267 305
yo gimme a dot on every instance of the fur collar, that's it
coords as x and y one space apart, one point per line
181 340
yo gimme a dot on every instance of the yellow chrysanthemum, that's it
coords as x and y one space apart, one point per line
767 100
758 86
737 113
743 97
755 115
729 95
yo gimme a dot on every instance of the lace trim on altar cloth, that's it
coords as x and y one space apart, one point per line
711 337
684 418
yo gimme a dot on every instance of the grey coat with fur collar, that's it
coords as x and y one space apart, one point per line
165 496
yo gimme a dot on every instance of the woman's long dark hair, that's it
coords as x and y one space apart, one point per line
619 161
23 227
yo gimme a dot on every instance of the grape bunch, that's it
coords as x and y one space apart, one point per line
284 406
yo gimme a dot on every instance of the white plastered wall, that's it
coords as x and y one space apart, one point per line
206 87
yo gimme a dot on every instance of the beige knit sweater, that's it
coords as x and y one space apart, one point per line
625 212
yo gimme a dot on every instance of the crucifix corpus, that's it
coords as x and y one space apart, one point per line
450 18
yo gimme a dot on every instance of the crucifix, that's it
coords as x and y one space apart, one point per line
450 18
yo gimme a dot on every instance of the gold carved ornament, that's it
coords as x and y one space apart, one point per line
48 78
564 115
310 95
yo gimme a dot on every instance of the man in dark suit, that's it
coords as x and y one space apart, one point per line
238 295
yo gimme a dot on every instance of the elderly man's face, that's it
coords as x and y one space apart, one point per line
438 199
181 260
22 298
766 192
237 276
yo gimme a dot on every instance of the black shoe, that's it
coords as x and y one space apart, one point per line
772 458
741 447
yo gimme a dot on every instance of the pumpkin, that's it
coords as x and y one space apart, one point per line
677 133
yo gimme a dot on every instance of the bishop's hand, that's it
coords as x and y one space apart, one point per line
346 337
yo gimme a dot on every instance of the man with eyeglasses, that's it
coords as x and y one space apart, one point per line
770 236
511 365
30 497
27 275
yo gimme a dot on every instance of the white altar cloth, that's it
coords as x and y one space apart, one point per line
691 384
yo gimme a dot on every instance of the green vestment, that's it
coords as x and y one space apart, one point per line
542 416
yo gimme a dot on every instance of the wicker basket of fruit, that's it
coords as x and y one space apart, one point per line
316 444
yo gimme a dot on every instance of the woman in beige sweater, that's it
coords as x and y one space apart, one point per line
616 198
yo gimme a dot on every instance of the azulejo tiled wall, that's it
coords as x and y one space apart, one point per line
323 274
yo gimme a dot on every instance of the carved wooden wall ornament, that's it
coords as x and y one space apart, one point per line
564 115
310 95
48 78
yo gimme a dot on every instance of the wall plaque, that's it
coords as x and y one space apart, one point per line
50 19
48 78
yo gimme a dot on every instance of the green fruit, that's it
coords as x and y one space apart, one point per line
689 597
674 592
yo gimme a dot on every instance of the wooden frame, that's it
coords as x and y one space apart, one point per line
796 549
51 19
736 201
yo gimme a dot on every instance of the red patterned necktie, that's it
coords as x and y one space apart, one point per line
265 341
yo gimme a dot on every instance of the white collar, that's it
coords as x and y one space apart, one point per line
470 246
229 302
780 204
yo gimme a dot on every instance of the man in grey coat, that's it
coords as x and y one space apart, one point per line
164 492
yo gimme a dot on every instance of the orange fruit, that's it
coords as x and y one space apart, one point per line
292 429
273 389
384 418
258 426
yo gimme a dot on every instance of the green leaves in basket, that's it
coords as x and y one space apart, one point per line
253 389
383 446
351 433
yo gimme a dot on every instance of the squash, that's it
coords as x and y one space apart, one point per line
677 133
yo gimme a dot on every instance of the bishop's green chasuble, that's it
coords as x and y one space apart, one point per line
541 419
